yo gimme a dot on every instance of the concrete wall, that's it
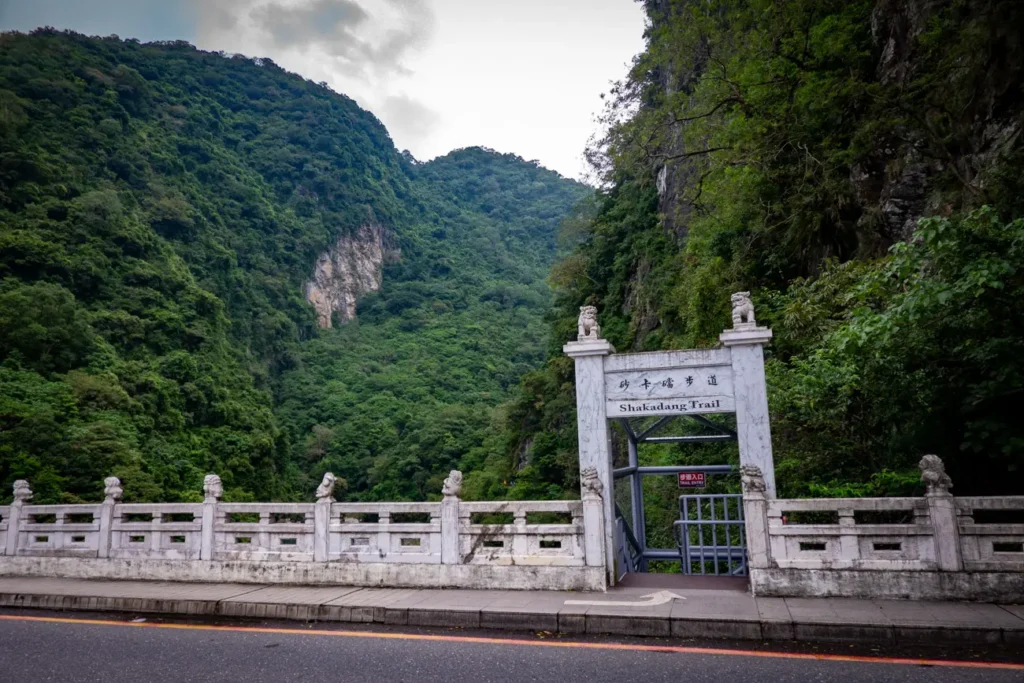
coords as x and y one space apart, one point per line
1004 587
369 574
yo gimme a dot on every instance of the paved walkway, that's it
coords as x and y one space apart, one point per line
635 611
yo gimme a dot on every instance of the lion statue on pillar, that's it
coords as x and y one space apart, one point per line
22 492
933 474
326 489
452 484
752 479
112 490
213 489
742 310
587 327
590 482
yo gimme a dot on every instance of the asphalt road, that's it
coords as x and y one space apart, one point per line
33 649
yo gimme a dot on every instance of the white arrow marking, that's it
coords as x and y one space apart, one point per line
659 598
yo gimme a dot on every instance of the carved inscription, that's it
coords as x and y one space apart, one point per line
707 389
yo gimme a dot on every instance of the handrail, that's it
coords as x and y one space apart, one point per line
638 553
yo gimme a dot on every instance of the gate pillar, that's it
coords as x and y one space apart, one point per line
589 352
753 431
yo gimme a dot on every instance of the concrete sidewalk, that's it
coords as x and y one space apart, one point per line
621 611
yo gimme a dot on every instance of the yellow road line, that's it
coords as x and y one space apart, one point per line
531 643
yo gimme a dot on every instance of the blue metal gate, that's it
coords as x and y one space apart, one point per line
710 534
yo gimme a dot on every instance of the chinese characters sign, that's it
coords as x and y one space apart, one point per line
691 480
677 391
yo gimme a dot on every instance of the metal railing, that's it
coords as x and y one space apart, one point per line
709 538
628 551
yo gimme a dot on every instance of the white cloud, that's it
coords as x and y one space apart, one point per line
362 48
408 120
520 76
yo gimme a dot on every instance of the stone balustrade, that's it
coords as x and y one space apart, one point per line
851 533
936 546
171 531
546 541
517 544
400 532
994 541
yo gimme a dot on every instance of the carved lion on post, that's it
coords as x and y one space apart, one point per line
112 490
933 474
752 479
590 482
742 309
326 489
212 487
22 492
587 324
452 484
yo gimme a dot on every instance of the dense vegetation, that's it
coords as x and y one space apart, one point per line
161 208
790 148
857 165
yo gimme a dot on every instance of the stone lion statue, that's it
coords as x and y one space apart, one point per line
587 324
590 482
742 310
326 489
452 484
933 474
212 487
22 492
112 490
752 479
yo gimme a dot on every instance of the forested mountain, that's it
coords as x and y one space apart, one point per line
859 166
169 215
162 211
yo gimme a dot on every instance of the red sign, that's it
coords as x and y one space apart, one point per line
691 480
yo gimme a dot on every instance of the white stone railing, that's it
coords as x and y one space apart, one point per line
850 539
452 532
73 532
263 532
991 545
388 539
518 541
167 531
936 546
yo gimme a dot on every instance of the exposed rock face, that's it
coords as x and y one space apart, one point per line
349 269
901 177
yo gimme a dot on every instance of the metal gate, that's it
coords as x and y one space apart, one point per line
710 535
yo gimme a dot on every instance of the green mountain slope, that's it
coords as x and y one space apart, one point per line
161 211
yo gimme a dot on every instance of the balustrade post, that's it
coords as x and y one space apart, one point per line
321 529
943 515
112 493
22 494
755 517
384 532
322 518
593 517
849 547
450 519
213 490
520 543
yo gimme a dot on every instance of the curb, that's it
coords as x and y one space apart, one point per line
513 620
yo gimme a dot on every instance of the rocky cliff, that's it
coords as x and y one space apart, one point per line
350 268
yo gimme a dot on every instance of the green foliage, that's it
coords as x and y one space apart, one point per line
747 150
920 353
161 210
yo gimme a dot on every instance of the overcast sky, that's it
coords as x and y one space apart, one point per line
521 76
